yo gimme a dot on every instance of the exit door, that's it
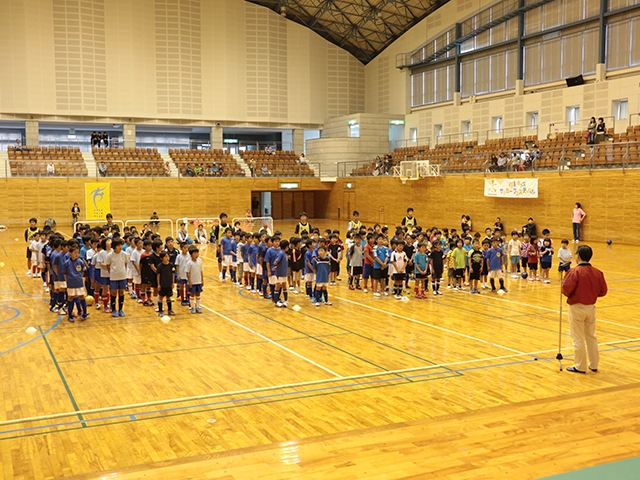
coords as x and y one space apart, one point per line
348 205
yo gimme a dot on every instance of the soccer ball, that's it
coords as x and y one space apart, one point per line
165 319
89 300
609 242
524 275
501 292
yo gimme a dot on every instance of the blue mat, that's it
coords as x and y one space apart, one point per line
622 470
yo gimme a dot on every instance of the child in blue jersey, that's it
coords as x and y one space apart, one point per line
279 270
380 267
323 270
494 260
237 265
252 254
226 247
263 276
269 260
74 277
420 261
467 247
310 269
247 241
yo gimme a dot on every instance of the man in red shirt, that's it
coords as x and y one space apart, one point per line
582 287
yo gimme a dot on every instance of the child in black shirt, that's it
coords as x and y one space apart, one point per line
165 283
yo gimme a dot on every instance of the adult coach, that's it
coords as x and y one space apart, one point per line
582 287
577 216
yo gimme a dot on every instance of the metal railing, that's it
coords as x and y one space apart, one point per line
457 138
580 126
512 132
634 119
407 143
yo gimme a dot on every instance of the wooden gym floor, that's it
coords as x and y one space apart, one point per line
447 387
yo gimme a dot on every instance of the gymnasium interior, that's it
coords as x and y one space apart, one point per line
263 110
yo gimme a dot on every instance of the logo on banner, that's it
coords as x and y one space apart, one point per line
97 200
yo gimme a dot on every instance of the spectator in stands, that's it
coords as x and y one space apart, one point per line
188 171
214 169
493 163
591 131
252 167
601 130
167 168
268 150
18 146
93 139
502 162
221 170
102 169
197 170
302 160
264 170
105 139
51 169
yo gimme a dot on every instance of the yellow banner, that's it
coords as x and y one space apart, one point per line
97 200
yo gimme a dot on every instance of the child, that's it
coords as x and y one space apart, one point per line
467 247
380 258
409 251
546 258
226 247
303 226
29 233
297 264
165 283
310 269
367 270
514 253
564 255
484 272
134 263
532 260
253 262
494 259
181 268
476 257
58 267
270 263
420 259
244 255
436 265
356 259
335 253
451 266
195 278
524 256
74 278
104 279
238 264
399 261
460 258
279 269
145 272
154 261
355 223
116 264
33 249
323 268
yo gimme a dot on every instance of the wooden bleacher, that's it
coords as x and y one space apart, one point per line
129 161
33 161
282 163
225 164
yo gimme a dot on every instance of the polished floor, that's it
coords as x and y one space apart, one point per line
457 386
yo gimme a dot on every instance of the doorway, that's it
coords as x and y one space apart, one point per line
289 205
348 205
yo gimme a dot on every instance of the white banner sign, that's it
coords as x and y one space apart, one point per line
511 187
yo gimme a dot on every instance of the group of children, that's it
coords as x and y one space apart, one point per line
104 264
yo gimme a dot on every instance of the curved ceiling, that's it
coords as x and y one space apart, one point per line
362 27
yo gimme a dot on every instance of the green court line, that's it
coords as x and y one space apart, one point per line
629 468
108 357
5 251
64 380
321 341
401 382
19 282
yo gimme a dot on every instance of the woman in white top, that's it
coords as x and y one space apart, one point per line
577 216
201 236
51 169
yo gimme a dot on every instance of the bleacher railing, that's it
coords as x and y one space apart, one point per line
407 143
511 132
634 119
457 138
580 126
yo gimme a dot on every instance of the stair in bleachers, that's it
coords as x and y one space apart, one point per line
243 166
166 158
90 162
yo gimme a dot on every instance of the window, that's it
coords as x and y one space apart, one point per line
573 115
465 127
437 131
354 130
621 109
532 120
496 124
413 132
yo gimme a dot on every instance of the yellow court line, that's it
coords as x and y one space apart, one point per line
273 342
443 329
284 386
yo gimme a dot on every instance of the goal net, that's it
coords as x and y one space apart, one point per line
255 224
415 169
162 226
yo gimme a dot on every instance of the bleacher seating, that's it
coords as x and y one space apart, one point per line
129 161
282 163
33 161
225 164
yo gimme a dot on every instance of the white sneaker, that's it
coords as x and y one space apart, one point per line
295 291
449 287
466 283
279 304
386 294
290 288
46 289
547 281
365 291
376 294
28 273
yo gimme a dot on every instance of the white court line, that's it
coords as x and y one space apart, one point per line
564 312
493 344
274 342
281 387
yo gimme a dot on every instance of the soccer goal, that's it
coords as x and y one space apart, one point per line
255 224
162 226
93 223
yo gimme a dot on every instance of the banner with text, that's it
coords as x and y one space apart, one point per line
97 200
511 187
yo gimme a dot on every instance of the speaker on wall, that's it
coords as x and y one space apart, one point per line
574 81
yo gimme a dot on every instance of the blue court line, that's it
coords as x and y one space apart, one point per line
16 314
273 397
42 334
